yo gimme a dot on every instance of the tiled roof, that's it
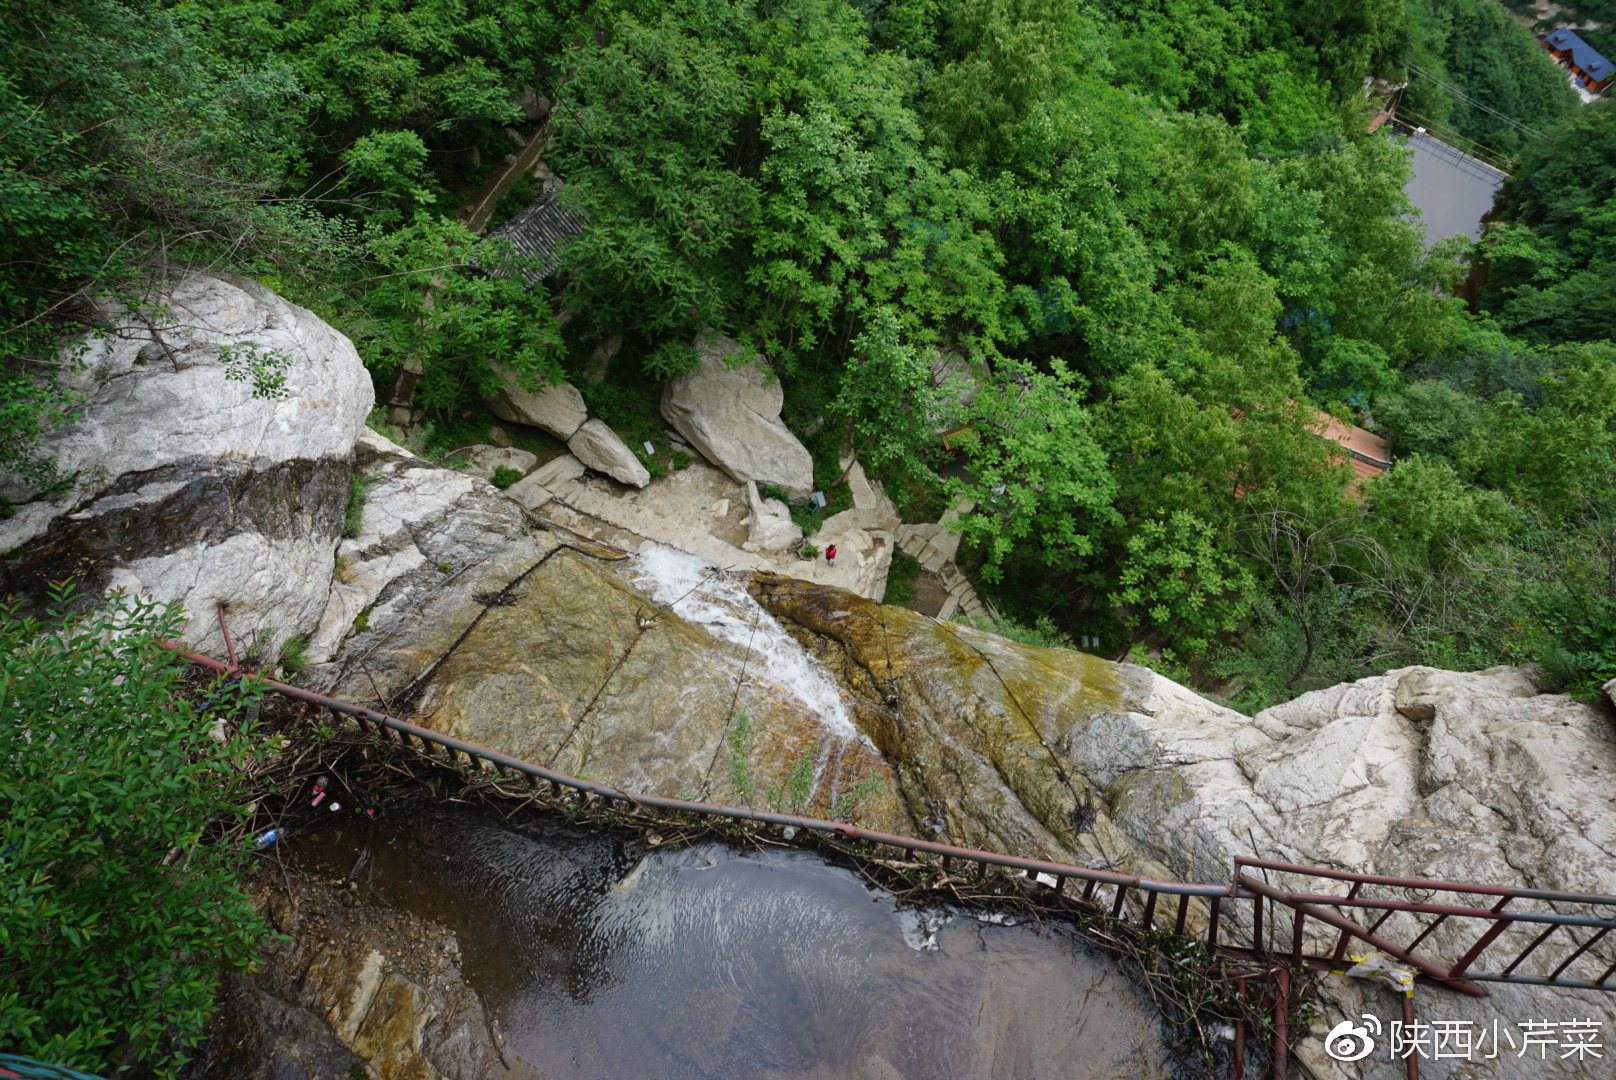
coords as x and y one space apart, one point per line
539 231
1584 55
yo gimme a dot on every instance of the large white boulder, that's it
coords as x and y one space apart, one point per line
598 447
187 478
769 527
731 413
558 408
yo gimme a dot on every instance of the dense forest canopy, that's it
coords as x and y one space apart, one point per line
1158 234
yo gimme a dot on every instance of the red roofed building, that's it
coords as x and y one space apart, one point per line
1368 451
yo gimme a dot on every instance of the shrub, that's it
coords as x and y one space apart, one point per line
901 579
505 476
295 655
355 515
1043 633
122 904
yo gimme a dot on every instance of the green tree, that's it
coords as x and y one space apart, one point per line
1427 417
1037 475
892 404
1552 268
1182 584
1556 456
1006 60
122 902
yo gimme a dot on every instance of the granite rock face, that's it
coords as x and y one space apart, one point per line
188 475
1416 773
419 525
558 408
731 414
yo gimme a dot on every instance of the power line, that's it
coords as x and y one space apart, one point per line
1467 99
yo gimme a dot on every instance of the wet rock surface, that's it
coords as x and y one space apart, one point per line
658 674
355 989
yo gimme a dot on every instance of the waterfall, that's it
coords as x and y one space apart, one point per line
720 604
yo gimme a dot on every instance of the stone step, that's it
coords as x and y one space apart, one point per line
950 603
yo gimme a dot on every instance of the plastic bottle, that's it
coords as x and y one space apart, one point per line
266 838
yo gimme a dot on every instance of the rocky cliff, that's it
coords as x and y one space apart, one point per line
209 460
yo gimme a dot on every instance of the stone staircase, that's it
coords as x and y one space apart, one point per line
935 547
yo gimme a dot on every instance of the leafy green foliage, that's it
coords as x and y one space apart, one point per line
1042 633
1038 474
122 907
1145 242
1552 267
901 579
1178 578
504 477
264 368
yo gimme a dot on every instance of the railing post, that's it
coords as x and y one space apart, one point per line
1411 1055
1282 1008
1481 943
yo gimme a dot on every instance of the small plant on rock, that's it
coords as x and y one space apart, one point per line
504 477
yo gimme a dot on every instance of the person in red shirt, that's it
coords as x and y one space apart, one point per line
830 554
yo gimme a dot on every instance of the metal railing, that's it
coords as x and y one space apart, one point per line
1237 920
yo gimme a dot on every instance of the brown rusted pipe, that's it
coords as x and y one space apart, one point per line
1420 883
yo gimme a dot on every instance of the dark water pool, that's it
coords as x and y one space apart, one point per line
602 961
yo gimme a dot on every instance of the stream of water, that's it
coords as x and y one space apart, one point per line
720 604
604 961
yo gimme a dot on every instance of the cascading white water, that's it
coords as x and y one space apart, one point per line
722 606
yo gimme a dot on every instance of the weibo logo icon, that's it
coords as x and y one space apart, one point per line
1350 1042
